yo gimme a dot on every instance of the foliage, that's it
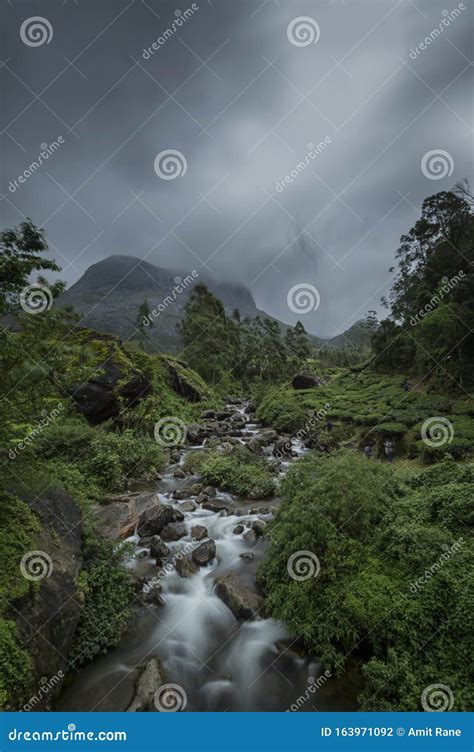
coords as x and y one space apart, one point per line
376 533
108 595
15 667
238 471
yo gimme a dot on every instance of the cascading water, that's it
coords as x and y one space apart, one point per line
220 662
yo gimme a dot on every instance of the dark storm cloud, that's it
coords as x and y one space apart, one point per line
242 103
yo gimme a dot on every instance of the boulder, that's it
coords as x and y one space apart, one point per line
211 414
188 506
173 531
115 383
204 553
199 532
283 447
242 601
209 490
215 504
250 536
179 473
305 380
185 567
158 549
268 436
149 680
254 445
258 526
47 617
182 384
238 529
154 519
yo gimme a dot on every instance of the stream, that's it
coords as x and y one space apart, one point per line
219 662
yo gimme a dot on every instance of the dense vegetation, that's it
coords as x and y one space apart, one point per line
78 410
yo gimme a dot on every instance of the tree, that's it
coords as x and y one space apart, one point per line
210 337
144 322
21 252
297 343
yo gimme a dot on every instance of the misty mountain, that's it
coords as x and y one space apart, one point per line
110 293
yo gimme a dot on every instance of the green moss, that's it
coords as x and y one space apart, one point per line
15 667
238 471
18 526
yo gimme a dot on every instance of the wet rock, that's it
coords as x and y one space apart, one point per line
254 445
188 506
151 594
238 529
197 433
181 493
201 498
215 505
158 549
151 677
195 489
250 536
305 380
247 555
154 519
268 436
283 447
242 601
204 553
259 527
185 567
208 414
173 531
209 490
179 473
199 532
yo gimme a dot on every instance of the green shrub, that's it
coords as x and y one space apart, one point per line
108 594
240 472
15 667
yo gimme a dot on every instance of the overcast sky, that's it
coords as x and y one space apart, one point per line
240 91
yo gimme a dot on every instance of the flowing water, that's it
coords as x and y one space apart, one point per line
220 662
